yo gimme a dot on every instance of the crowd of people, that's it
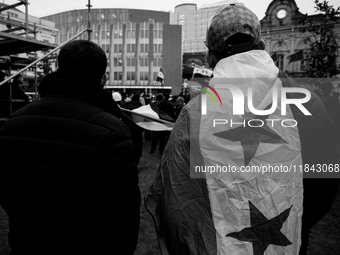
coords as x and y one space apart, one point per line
168 108
69 176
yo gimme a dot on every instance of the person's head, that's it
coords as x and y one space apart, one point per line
83 61
117 96
180 100
232 29
135 98
159 97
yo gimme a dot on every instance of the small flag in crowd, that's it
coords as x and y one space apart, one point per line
160 76
147 118
203 71
296 56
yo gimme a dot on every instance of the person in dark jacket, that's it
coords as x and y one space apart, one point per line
69 180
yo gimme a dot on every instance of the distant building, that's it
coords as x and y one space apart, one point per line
280 30
194 28
137 42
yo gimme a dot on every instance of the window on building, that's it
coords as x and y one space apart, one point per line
106 48
141 34
141 76
155 62
133 47
133 61
128 33
133 33
160 34
155 34
117 34
280 62
128 48
160 62
146 76
146 61
117 76
128 61
155 48
146 48
160 48
12 15
142 48
146 34
133 76
105 34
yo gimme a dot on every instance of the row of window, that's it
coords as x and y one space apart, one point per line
131 48
129 34
142 62
131 76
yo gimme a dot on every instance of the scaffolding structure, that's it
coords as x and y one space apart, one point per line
17 39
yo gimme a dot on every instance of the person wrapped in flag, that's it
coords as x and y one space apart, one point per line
208 196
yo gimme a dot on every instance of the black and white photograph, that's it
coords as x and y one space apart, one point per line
170 127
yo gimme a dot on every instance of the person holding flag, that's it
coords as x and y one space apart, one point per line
202 200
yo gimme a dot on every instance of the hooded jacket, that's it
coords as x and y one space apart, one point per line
69 181
201 207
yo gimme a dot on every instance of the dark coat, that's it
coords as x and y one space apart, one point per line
69 181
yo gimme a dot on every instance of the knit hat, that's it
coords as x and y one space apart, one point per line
229 20
116 96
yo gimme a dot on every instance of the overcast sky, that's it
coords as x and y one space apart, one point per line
41 8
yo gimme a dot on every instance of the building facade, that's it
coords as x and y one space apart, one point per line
194 23
281 30
138 44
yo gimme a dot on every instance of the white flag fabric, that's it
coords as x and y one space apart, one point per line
251 211
147 118
203 71
246 204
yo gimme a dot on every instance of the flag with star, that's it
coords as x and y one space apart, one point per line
225 212
253 212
